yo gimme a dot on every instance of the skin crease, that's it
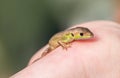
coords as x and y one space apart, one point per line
95 58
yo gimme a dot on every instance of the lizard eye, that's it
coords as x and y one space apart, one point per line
72 34
81 34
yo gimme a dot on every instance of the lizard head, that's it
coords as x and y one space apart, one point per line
77 33
81 33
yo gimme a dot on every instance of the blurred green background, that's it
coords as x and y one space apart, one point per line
27 25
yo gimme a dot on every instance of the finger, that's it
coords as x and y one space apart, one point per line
95 27
73 63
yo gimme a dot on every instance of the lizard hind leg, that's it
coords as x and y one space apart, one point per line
45 52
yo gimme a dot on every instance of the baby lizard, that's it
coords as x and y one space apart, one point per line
64 38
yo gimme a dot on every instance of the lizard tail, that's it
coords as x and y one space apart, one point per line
42 55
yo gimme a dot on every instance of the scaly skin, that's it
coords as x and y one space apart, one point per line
64 38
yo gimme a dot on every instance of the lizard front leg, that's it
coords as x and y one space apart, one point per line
64 45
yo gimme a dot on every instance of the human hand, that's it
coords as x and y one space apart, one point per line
97 58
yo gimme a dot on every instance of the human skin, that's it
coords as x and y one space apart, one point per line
95 58
116 10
